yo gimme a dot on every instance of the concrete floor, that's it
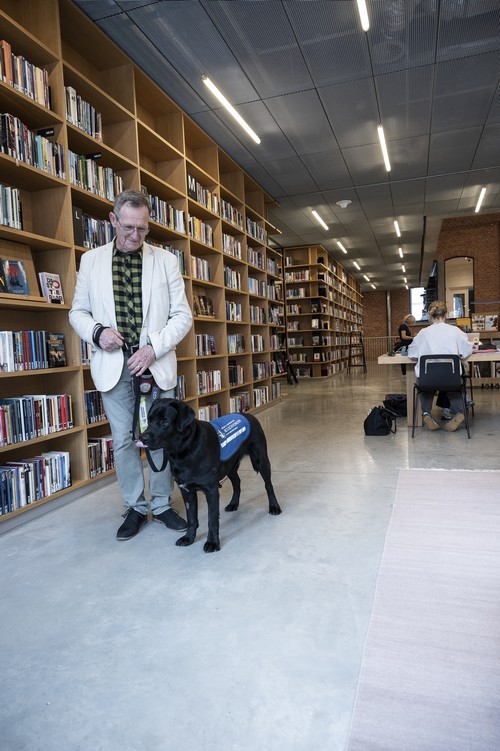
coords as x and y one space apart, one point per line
117 646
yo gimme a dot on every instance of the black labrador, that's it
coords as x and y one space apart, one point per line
194 452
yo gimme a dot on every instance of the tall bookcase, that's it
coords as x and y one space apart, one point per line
208 211
324 306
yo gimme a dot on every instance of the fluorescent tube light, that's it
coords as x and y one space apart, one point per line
363 15
400 252
372 285
405 280
396 225
341 247
403 267
222 99
406 286
319 219
357 265
480 200
381 138
366 277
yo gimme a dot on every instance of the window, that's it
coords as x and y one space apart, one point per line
417 303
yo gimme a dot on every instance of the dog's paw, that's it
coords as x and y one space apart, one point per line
232 507
211 547
183 542
274 510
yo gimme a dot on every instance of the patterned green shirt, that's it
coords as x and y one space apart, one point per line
127 289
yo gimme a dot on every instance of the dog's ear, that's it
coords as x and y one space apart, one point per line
185 415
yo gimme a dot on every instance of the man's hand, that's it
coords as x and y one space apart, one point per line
110 340
141 360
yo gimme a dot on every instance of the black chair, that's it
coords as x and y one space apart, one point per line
440 373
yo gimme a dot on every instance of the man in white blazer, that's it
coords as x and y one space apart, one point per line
130 304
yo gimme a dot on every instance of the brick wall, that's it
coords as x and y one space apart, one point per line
475 236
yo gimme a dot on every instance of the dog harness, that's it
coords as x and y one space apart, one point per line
232 430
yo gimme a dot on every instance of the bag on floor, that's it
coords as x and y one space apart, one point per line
380 421
397 403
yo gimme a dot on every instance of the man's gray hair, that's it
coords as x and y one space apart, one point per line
135 198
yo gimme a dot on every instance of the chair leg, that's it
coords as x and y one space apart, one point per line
466 412
415 397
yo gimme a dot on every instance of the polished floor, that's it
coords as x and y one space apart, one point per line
118 646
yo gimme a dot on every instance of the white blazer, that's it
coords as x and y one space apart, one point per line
166 314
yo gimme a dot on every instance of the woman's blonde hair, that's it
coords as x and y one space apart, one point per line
410 319
437 309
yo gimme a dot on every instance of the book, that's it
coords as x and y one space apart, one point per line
56 351
15 278
3 280
51 287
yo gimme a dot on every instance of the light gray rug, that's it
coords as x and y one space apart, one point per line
430 677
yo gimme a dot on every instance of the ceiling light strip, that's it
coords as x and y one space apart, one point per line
400 252
383 146
396 226
341 246
363 15
480 200
229 107
319 219
356 264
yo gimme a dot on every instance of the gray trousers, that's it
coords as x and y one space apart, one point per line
119 404
454 399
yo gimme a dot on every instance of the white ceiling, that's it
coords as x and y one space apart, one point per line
315 87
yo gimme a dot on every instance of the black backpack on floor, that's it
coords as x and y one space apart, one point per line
380 421
397 403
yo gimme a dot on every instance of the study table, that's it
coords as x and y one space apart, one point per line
477 357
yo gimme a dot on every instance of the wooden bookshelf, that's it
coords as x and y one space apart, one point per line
324 306
147 142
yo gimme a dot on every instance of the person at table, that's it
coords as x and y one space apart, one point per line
440 339
405 337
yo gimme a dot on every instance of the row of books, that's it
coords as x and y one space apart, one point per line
11 214
257 287
208 381
94 407
82 114
19 142
257 232
276 341
209 411
261 370
166 214
239 402
232 246
257 314
86 173
101 455
255 257
31 350
231 214
236 373
181 387
200 231
235 343
203 306
234 311
201 194
23 418
89 232
200 269
24 76
179 254
260 396
28 480
257 343
232 278
205 345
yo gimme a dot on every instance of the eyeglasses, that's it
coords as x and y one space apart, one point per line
129 229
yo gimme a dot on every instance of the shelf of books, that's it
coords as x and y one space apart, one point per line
324 306
79 123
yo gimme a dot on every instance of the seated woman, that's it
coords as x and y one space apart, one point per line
405 337
440 339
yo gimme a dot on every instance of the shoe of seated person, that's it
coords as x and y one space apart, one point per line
171 519
455 422
446 414
430 422
132 524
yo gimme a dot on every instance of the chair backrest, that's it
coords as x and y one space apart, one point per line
440 373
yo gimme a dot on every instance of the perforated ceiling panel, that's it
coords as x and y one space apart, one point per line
315 87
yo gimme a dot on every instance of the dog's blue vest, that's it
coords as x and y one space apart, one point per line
232 430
